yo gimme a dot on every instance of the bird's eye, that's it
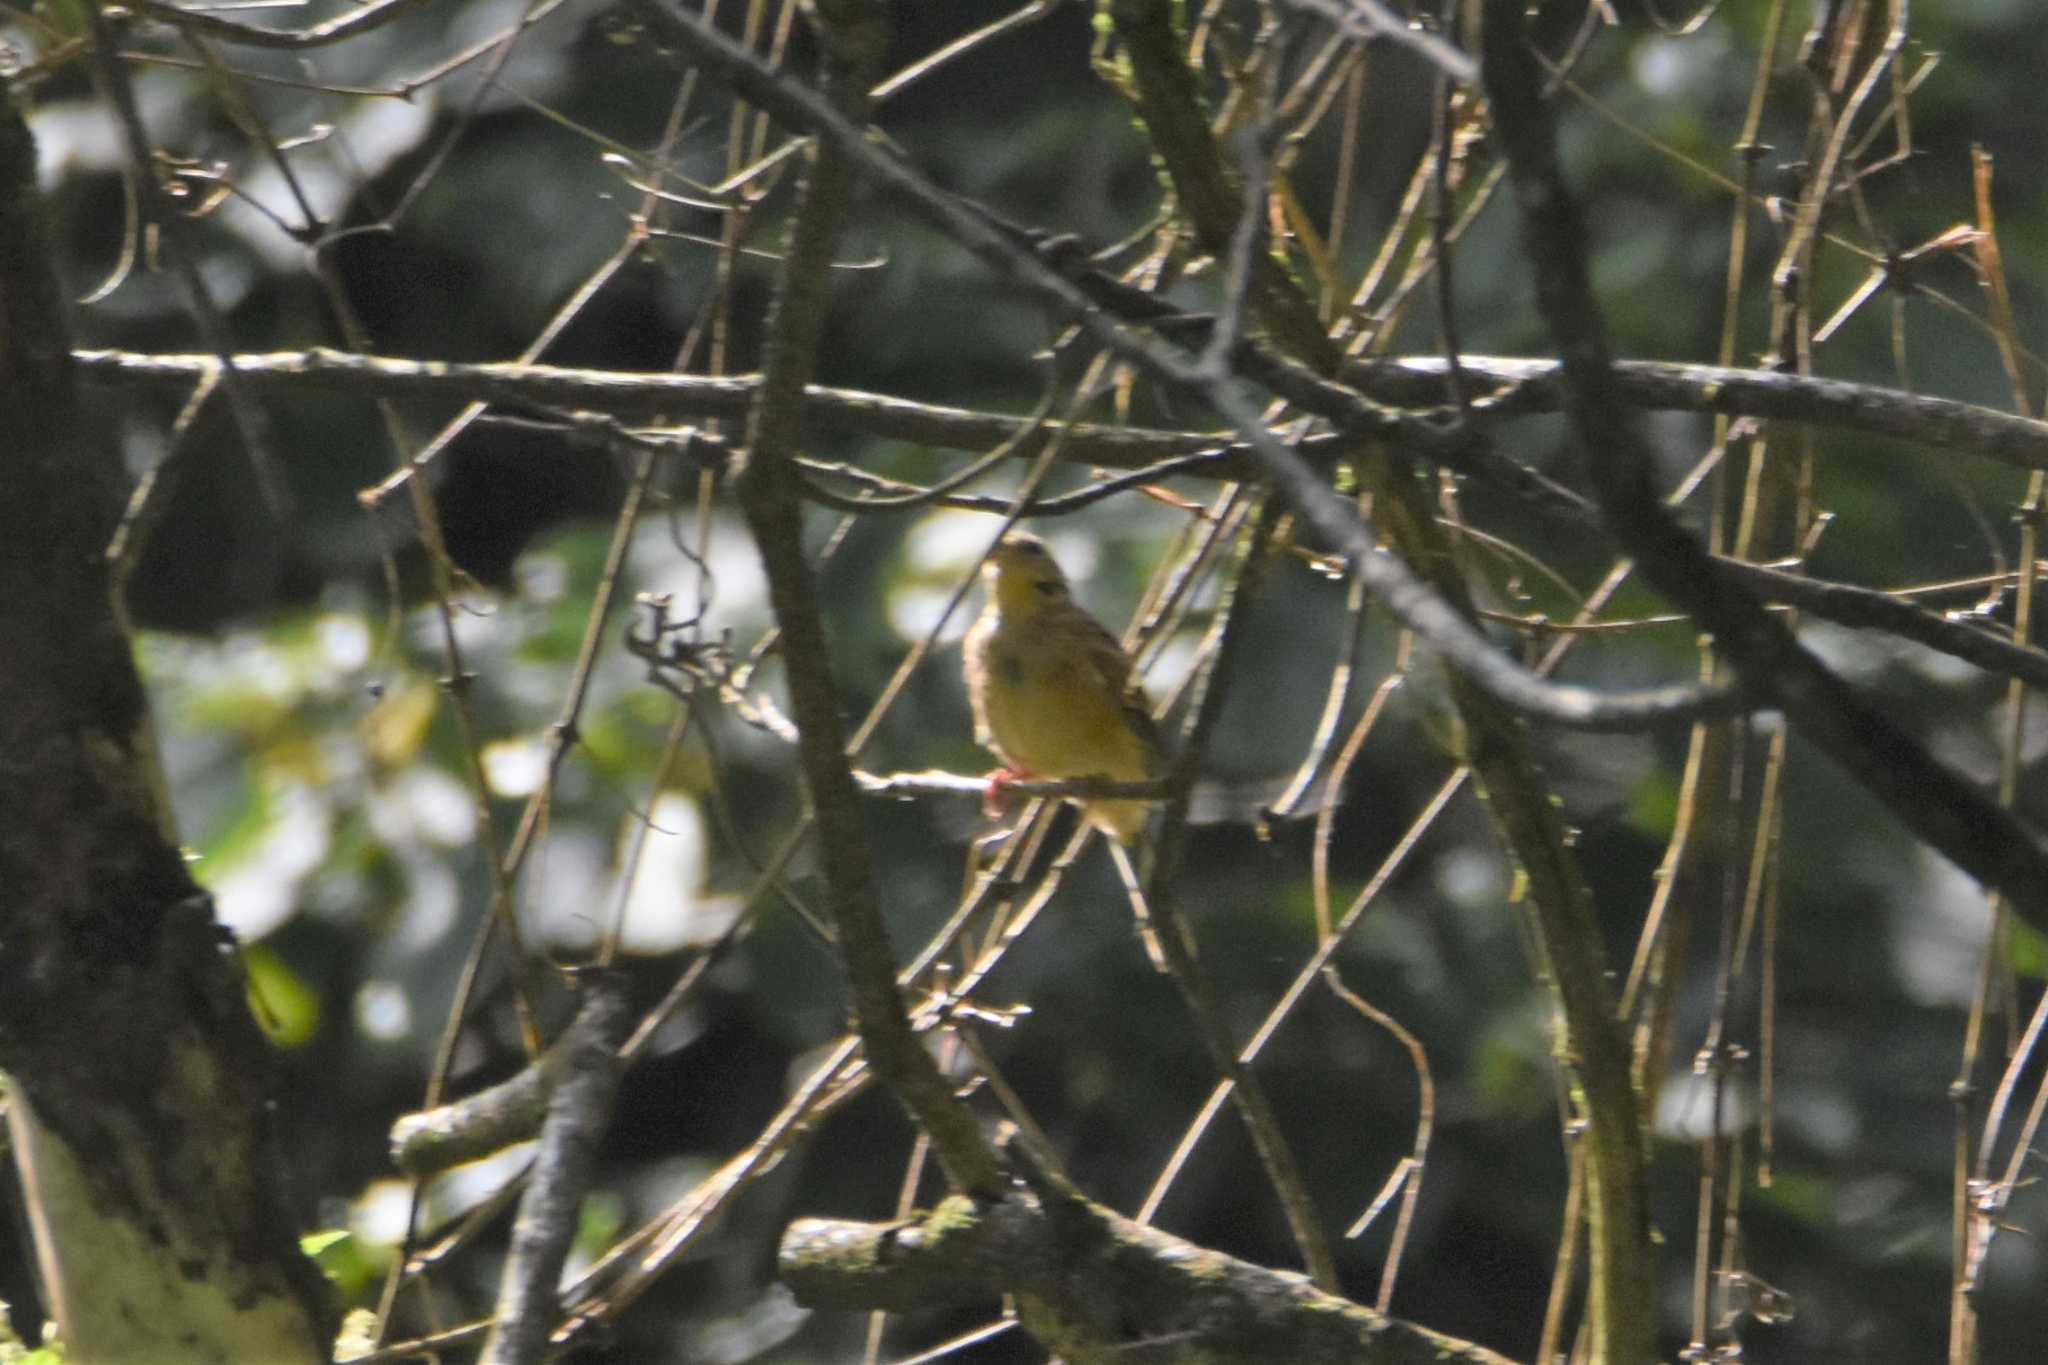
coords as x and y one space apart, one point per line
1047 587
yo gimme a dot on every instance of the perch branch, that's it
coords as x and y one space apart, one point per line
934 782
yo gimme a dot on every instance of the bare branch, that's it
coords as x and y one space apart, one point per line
1369 19
852 33
578 1112
496 1117
1532 386
1406 594
334 30
1952 816
933 782
160 210
1524 386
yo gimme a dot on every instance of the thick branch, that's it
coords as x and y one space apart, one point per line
1096 1287
343 26
679 396
578 1112
936 782
1422 586
433 1140
139 1095
1170 102
1872 609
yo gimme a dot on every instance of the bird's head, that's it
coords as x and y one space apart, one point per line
1022 578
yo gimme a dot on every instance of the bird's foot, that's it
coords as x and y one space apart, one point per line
996 796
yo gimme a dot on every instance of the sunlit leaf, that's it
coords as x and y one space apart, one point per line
286 1007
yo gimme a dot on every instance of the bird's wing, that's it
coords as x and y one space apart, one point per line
1106 656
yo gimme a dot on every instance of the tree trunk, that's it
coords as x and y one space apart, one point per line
138 1081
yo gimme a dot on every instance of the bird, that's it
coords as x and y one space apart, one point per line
1051 689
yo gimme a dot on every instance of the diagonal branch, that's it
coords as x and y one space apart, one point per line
1411 598
770 489
175 235
1175 937
578 1111
1952 816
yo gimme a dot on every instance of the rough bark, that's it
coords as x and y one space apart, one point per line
1097 1287
138 1079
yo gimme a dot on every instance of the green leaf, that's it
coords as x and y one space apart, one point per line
286 1007
316 1244
340 1257
2029 951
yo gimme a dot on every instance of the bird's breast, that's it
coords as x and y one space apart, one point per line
1047 711
1007 663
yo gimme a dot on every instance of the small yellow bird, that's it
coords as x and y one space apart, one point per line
1052 690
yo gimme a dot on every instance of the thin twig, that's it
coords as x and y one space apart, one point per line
159 209
1948 813
1369 20
1176 941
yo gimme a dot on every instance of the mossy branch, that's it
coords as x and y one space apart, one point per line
1097 1288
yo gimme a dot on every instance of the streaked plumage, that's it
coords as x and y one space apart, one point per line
1051 689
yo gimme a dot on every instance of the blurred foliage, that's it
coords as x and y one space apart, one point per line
324 783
